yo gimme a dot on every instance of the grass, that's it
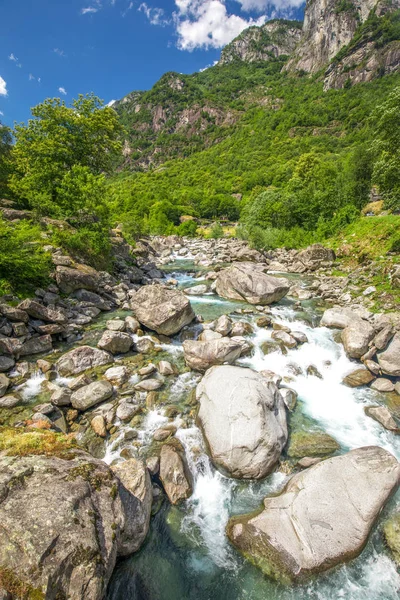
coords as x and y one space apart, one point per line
20 442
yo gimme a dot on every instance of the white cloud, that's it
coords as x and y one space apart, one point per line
39 79
156 16
13 57
1 113
62 91
31 77
207 24
262 5
3 87
128 8
59 52
89 10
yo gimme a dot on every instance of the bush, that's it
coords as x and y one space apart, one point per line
216 231
188 228
92 244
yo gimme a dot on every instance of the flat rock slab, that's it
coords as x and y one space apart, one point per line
322 518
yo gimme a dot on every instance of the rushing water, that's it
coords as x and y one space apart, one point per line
187 555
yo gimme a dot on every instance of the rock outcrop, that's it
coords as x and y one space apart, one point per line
322 518
161 309
247 281
243 419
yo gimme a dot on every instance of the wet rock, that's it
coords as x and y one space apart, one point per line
243 418
44 313
241 328
356 338
78 382
311 443
149 385
161 309
144 346
209 335
382 385
117 375
299 336
126 410
200 356
136 480
70 501
271 376
6 363
383 416
197 290
4 383
286 338
358 377
132 324
312 371
153 464
166 368
289 397
175 474
163 433
308 461
372 366
82 358
223 325
389 360
115 342
98 425
61 397
92 394
333 505
264 321
244 281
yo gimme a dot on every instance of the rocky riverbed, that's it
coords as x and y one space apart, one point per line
208 422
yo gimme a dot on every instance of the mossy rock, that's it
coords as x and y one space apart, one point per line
311 443
17 588
391 532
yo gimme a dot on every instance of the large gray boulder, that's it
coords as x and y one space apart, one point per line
356 338
243 419
44 313
322 517
389 360
92 394
246 281
64 522
82 358
82 277
115 342
339 317
161 309
313 256
201 355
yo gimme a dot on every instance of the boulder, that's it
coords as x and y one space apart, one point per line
244 281
161 309
61 396
126 410
98 425
209 334
6 363
389 360
36 345
116 325
241 328
80 519
339 317
383 416
311 443
9 401
391 531
285 338
117 375
4 383
383 385
322 518
314 255
223 325
356 338
243 419
14 314
197 290
132 324
92 298
382 339
82 358
200 355
115 342
92 394
43 313
175 474
166 368
358 377
149 385
69 280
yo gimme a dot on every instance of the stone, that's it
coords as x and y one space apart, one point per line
286 338
264 321
391 532
92 394
322 518
4 383
166 368
339 317
147 370
116 325
132 324
271 376
382 385
78 382
209 335
118 375
372 366
241 328
92 298
200 356
289 397
44 365
63 551
98 425
174 474
383 416
314 255
82 358
6 363
311 443
244 281
43 313
149 385
356 338
389 360
243 418
161 434
126 410
135 478
69 280
163 310
9 401
14 314
153 464
144 345
223 325
358 377
299 336
382 339
115 342
308 461
61 397
197 290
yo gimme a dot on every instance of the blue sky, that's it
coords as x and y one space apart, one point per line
60 48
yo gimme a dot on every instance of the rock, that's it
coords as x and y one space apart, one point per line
82 358
391 531
43 313
98 425
147 370
209 335
92 298
356 338
126 410
271 376
163 433
389 360
372 366
243 419
382 385
358 377
286 338
136 480
118 375
149 385
61 397
382 339
70 501
153 464
175 474
308 461
311 443
197 290
164 310
241 328
4 383
289 397
115 342
299 336
6 363
166 368
116 325
79 382
264 321
69 280
132 324
14 314
322 518
92 394
243 281
9 401
314 255
144 345
339 317
223 325
383 416
202 355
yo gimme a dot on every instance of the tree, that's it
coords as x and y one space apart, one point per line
386 173
58 140
5 156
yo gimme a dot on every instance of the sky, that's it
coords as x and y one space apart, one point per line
61 48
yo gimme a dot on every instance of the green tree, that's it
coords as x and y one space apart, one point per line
5 158
58 140
216 231
386 173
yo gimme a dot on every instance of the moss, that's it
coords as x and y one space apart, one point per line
22 442
18 588
90 473
311 443
114 491
391 531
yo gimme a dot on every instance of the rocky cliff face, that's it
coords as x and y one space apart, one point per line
274 39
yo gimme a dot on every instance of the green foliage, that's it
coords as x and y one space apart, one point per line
90 243
216 231
387 147
23 263
5 159
187 228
